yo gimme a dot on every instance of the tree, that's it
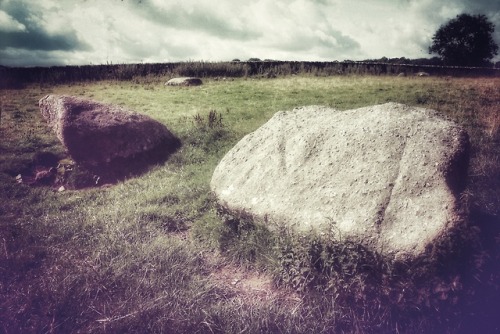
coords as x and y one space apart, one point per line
466 40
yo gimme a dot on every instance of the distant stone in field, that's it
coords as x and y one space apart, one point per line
422 74
185 81
111 141
402 74
386 177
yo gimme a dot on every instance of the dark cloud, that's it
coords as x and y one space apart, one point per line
331 41
341 41
35 36
22 57
39 40
486 7
195 19
490 8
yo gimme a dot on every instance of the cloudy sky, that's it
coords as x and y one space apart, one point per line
78 32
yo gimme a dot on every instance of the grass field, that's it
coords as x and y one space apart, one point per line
151 254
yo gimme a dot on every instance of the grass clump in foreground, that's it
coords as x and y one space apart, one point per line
144 255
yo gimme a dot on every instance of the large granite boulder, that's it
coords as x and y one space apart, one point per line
386 176
111 141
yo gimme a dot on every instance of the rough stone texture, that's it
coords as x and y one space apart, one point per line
385 176
107 138
187 81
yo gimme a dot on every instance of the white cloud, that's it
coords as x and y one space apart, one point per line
10 24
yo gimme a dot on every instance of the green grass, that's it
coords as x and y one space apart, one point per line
140 256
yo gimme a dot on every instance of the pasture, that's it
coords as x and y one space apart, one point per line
152 255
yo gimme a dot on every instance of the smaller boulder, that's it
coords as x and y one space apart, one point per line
185 81
422 74
108 140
